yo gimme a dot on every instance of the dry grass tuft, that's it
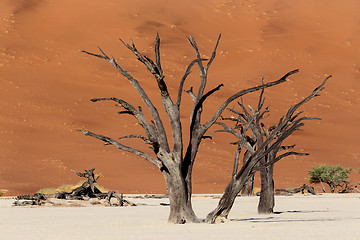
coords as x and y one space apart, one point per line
47 191
67 188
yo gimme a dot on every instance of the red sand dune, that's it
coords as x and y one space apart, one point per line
46 83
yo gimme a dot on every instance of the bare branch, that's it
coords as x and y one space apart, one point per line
280 133
287 147
125 112
262 114
198 106
194 45
111 141
157 54
191 93
241 93
171 109
279 158
203 98
146 62
154 112
261 98
243 140
151 132
243 118
318 89
146 140
213 54
104 56
228 129
246 113
187 72
203 75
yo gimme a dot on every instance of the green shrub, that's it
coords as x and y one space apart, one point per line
334 176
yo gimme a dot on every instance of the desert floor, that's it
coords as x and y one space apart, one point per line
46 84
326 216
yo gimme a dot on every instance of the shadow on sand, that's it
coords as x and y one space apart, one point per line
278 219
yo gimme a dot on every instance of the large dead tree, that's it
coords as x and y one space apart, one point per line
176 161
262 147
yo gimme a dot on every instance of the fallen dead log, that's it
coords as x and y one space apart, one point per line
23 203
295 190
30 200
119 197
86 191
35 197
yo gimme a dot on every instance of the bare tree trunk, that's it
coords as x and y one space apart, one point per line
267 200
248 189
181 210
236 184
225 204
323 187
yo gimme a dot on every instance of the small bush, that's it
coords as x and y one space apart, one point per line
333 176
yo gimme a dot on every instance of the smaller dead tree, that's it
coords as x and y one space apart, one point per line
263 148
88 188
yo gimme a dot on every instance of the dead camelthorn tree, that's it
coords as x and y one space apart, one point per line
262 147
87 185
176 161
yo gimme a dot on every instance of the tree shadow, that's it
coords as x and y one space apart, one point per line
280 220
296 211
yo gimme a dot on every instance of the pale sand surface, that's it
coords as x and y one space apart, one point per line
328 216
46 84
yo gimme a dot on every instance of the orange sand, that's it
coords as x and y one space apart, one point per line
46 83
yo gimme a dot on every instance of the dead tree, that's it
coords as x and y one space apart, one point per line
175 162
263 148
88 188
